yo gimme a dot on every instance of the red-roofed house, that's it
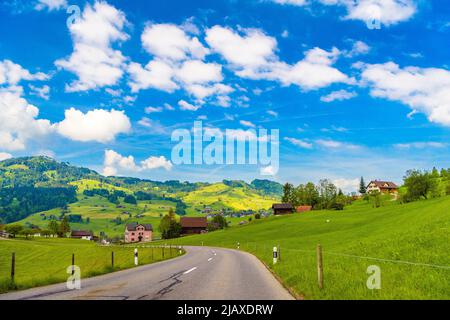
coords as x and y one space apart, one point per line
382 186
301 209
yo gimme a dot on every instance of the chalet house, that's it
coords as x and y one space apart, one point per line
282 208
193 225
301 209
80 234
382 186
136 232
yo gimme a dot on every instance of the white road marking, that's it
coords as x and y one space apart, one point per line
190 270
210 259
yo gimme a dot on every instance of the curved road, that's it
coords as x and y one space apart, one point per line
202 273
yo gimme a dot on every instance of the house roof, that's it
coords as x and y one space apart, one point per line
303 208
193 222
286 206
384 184
132 226
81 233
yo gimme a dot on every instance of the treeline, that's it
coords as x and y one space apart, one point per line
324 195
19 202
425 184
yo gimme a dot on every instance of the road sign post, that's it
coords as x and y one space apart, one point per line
275 255
319 266
135 256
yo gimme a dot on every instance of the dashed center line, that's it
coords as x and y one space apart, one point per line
210 259
190 270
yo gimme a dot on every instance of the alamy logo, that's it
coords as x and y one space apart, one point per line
212 146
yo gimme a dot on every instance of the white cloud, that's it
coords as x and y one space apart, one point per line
333 144
5 156
156 74
19 121
246 123
115 163
347 185
196 71
50 5
272 113
252 55
93 60
358 48
95 125
156 162
187 106
423 89
299 143
421 145
268 171
388 12
338 95
43 92
153 109
168 41
12 73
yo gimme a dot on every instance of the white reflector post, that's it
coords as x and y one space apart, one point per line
275 255
135 257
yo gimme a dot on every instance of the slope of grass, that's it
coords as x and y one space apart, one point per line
219 195
101 214
89 184
417 232
45 261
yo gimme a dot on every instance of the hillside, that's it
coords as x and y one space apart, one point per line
409 242
34 190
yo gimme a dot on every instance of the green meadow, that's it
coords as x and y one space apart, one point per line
410 243
45 261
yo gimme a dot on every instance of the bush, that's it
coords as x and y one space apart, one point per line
257 216
130 199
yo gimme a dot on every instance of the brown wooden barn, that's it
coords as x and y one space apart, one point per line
193 225
282 208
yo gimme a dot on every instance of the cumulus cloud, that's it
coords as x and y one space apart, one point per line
95 125
421 145
333 144
425 90
246 123
187 106
5 156
338 95
93 60
156 74
50 5
42 92
19 120
12 73
347 185
115 163
252 54
388 12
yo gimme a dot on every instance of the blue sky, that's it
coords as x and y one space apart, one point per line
107 91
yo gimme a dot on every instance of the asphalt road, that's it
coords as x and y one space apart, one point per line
202 273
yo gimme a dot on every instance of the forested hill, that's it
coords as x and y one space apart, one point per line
33 184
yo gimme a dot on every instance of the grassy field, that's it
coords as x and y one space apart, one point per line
44 261
219 195
101 214
411 241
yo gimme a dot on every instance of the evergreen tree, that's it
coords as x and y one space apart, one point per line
362 187
64 227
287 193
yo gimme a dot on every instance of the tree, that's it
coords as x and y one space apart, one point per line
287 193
169 227
14 229
419 185
27 232
220 221
64 227
130 199
53 226
362 187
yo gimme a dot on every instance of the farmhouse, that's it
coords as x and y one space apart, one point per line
80 234
301 209
193 225
135 232
382 186
282 208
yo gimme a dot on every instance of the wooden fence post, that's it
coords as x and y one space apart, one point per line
112 260
13 266
319 266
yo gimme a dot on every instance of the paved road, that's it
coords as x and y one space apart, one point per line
203 273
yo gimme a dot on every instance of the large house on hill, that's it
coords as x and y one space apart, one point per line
382 186
136 232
